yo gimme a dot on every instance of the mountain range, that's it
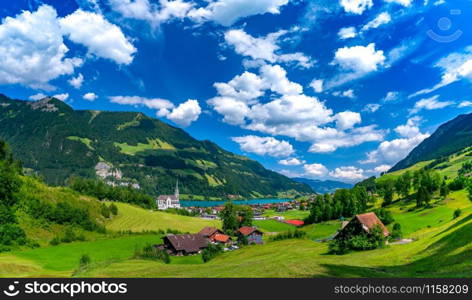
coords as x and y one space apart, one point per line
324 186
57 142
449 138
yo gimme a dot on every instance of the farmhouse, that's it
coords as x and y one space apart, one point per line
362 223
215 235
184 244
169 201
253 235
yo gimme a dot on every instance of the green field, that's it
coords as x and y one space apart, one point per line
138 219
62 260
272 226
288 215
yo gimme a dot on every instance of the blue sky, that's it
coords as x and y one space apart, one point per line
321 89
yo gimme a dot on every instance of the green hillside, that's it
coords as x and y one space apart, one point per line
449 138
133 149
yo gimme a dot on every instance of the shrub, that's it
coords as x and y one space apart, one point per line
396 231
457 213
211 252
105 211
296 234
113 209
385 216
69 236
151 252
84 260
55 241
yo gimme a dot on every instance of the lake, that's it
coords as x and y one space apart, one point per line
188 203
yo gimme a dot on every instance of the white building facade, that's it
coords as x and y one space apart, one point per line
169 201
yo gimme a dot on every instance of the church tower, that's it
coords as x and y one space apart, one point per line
177 194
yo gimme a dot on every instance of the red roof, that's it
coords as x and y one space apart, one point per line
370 220
245 230
222 238
295 222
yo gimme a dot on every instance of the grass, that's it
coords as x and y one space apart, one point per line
294 214
153 144
85 141
322 230
66 256
137 219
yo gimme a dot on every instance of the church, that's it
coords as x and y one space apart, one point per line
169 201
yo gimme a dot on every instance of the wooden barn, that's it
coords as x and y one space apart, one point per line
253 235
185 244
362 223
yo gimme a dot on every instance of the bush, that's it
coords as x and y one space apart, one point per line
12 234
105 211
211 252
69 236
151 252
396 231
55 241
113 209
457 213
296 234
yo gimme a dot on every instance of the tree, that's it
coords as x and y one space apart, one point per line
245 215
422 197
229 218
10 181
444 190
388 192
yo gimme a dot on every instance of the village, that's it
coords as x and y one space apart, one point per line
195 243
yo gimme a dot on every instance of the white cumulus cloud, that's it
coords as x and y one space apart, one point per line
265 48
291 162
315 170
90 96
356 6
348 173
183 115
430 104
227 12
264 145
32 50
362 59
76 82
101 38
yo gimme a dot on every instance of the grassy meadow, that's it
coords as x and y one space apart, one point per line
137 219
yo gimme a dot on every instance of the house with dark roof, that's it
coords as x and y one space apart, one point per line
252 234
363 223
184 244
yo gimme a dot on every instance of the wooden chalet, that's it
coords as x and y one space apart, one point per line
215 235
253 235
185 244
362 223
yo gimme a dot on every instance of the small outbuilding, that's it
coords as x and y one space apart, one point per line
253 235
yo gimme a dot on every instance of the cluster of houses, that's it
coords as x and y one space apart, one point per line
188 244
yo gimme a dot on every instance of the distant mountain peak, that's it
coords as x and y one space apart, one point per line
449 138
49 104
